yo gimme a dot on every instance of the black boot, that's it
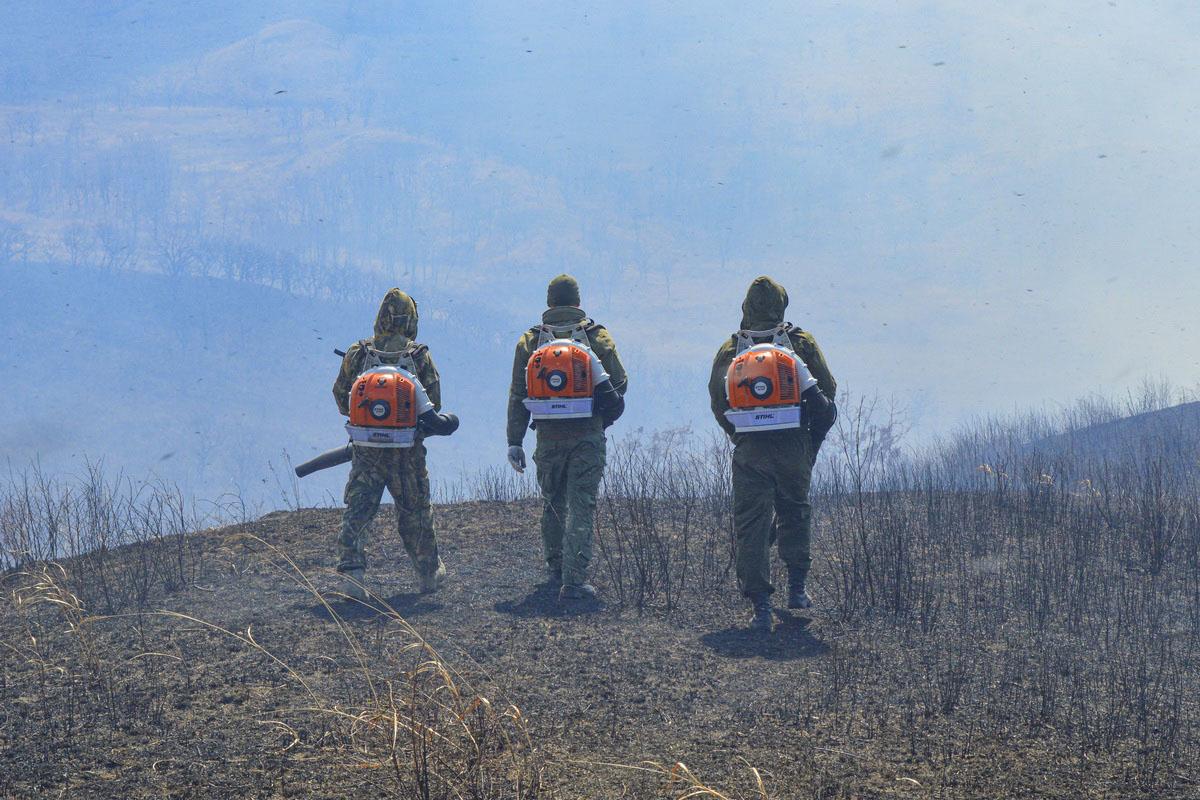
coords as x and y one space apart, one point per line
763 619
577 591
797 592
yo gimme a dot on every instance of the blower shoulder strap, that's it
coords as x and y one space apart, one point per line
591 329
743 340
799 341
361 350
577 331
414 356
406 359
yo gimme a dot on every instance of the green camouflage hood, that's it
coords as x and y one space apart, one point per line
397 316
765 303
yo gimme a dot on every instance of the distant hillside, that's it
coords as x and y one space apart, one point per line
1171 435
295 56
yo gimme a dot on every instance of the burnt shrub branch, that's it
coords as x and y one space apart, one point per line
1035 577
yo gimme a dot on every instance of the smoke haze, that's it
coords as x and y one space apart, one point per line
974 208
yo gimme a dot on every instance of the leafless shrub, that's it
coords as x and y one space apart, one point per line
492 484
664 525
1039 574
1070 566
126 540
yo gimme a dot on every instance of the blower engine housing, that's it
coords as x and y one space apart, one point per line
385 403
763 385
560 380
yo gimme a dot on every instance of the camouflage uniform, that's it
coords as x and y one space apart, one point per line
570 454
772 470
401 470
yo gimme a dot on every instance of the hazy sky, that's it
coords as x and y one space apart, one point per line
975 206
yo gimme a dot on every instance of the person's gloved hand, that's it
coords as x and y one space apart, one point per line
516 457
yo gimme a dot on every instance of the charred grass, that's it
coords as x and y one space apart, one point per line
993 621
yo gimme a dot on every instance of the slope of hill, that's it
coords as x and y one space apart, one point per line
1171 434
254 682
296 56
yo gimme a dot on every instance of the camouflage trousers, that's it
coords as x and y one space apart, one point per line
403 473
569 473
771 476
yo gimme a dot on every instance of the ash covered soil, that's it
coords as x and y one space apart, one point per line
164 706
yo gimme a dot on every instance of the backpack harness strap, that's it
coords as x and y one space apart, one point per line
780 336
577 331
405 359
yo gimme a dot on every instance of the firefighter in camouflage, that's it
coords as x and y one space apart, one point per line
570 453
401 470
772 470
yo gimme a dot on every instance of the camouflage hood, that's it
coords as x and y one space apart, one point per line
397 318
562 291
764 306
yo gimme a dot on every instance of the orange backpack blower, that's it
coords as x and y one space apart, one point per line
385 403
764 384
561 378
388 406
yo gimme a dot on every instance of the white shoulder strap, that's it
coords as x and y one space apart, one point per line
373 358
779 337
575 331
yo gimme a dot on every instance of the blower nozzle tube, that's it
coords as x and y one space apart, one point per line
331 458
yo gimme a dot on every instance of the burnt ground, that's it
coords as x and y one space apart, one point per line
158 706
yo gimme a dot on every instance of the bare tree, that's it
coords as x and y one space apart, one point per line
176 249
118 246
78 241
